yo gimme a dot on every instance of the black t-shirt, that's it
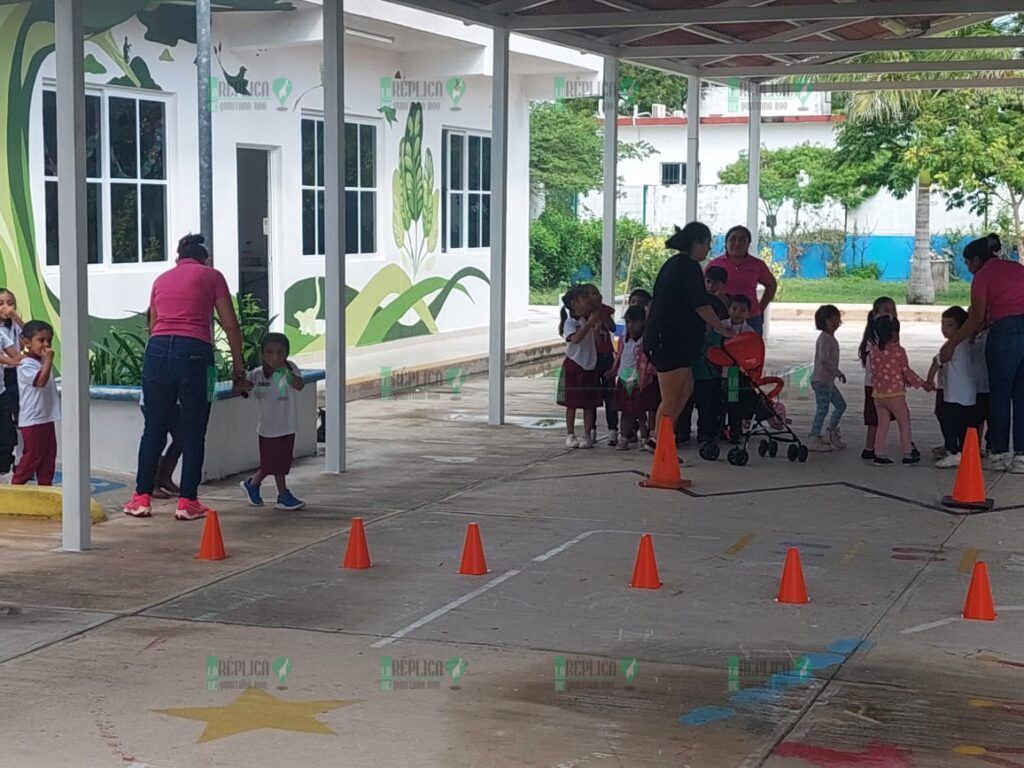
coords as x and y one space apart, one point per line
672 321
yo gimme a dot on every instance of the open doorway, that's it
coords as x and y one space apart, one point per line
254 225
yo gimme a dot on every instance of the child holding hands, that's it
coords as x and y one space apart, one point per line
891 373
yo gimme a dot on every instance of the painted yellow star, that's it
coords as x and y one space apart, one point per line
255 709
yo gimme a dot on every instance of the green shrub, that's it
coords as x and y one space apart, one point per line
869 271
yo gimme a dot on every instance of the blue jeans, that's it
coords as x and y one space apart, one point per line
757 323
1004 354
175 371
824 396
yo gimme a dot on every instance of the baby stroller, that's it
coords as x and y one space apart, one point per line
754 402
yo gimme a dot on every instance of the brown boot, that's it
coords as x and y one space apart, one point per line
165 478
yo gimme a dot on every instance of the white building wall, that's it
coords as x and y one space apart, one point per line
451 49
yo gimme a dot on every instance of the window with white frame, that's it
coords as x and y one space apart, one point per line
126 178
360 187
465 190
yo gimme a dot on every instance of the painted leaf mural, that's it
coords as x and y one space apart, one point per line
415 200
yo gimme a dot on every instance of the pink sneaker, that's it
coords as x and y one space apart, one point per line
139 506
191 509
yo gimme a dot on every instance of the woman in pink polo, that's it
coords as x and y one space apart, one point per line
177 370
746 272
997 302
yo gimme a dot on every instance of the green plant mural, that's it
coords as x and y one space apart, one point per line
372 315
26 40
415 200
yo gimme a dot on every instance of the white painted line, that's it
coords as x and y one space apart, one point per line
564 546
444 609
929 625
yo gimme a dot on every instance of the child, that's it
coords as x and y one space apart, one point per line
883 306
715 279
10 357
891 372
579 385
605 360
739 310
635 393
638 297
40 406
274 384
823 381
958 383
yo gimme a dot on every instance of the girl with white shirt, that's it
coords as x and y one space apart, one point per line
579 385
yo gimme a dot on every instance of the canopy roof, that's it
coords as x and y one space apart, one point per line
748 38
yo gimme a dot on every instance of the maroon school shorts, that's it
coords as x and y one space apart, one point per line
276 454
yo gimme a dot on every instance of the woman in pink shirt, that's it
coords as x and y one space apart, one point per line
746 272
997 301
177 370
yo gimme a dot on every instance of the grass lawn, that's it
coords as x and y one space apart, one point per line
856 290
842 290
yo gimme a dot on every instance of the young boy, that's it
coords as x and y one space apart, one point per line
274 385
715 279
739 310
958 381
39 407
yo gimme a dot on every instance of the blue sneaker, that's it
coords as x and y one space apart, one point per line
252 493
287 501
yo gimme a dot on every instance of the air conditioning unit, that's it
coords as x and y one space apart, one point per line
658 110
678 113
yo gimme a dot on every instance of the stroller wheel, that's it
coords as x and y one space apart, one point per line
710 452
762 448
773 449
793 452
803 454
738 457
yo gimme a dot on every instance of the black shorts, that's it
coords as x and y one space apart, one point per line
672 357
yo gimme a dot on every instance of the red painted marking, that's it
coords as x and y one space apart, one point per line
876 756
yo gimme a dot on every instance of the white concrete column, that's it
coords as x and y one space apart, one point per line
74 276
754 176
205 122
692 145
499 220
334 230
611 173
754 172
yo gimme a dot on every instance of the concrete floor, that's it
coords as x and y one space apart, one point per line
104 655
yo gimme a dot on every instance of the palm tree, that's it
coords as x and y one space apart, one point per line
889 115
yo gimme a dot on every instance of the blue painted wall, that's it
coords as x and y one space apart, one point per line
892 254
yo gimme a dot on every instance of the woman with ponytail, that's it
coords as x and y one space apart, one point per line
678 318
997 302
176 371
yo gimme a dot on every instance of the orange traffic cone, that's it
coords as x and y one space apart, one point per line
792 588
211 546
979 596
473 562
665 470
969 487
357 554
645 570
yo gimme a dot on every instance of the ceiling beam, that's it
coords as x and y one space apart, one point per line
919 85
885 67
513 6
720 15
804 47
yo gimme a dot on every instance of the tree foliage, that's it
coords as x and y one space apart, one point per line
806 175
645 86
566 147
